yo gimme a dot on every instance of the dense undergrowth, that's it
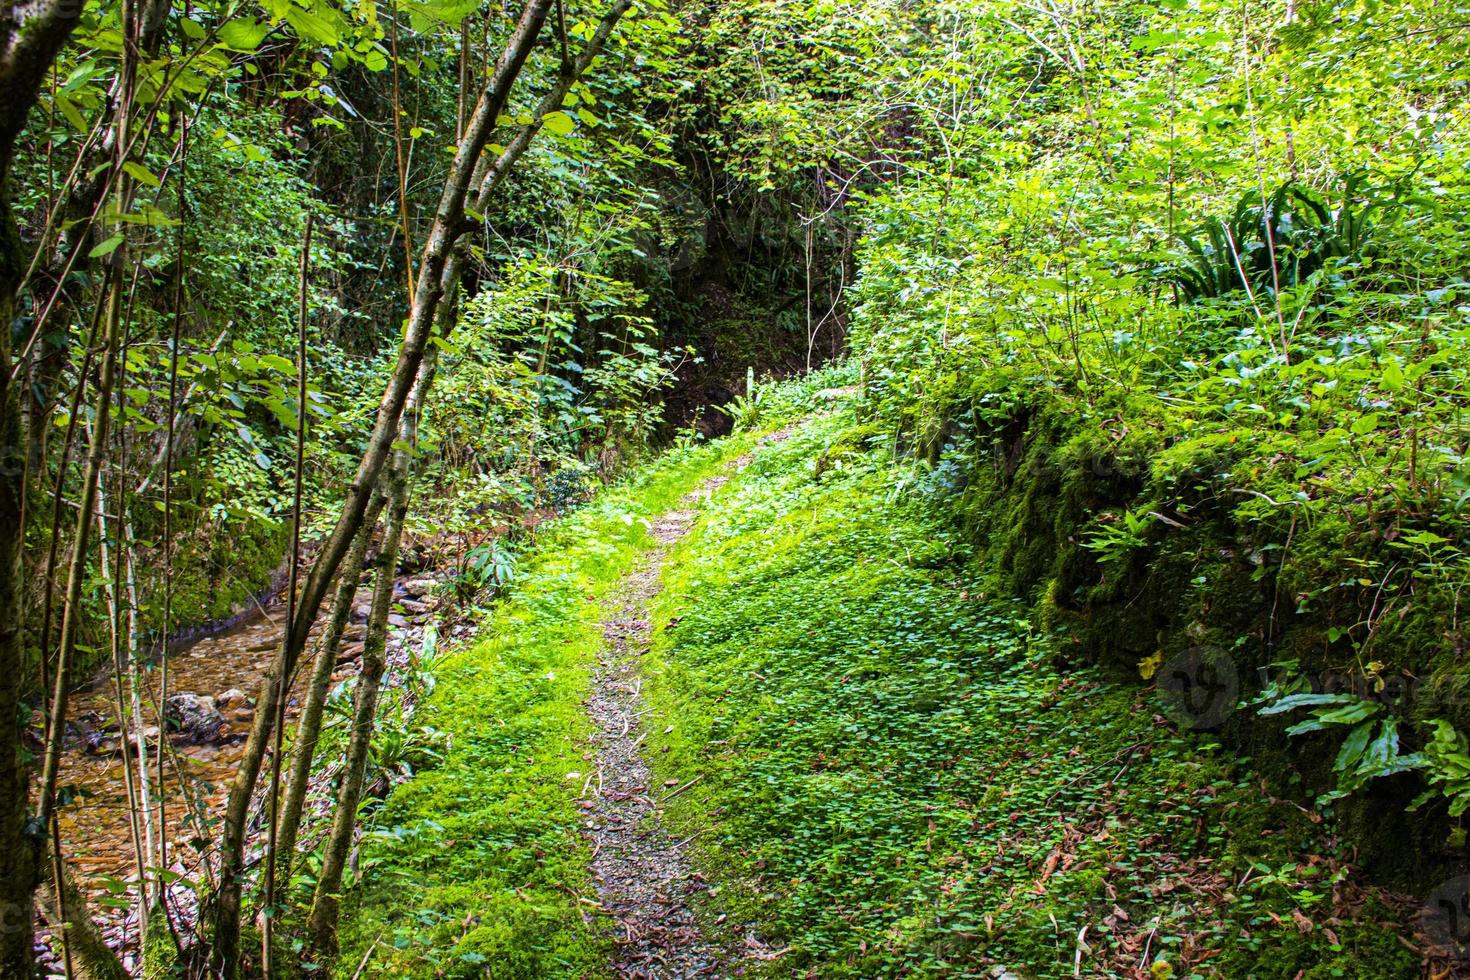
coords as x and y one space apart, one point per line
897 780
1188 365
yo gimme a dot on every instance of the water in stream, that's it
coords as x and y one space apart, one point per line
95 829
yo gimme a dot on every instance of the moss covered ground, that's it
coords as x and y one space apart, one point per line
897 780
892 774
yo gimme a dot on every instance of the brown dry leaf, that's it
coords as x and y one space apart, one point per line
1050 865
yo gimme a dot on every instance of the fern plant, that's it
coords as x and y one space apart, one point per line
744 410
1269 245
1371 747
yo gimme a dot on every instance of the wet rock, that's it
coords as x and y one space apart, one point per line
99 743
78 732
233 698
420 586
193 716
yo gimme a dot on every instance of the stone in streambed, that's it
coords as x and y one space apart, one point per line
420 586
194 717
150 739
233 698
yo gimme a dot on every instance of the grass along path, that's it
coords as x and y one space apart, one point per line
881 768
899 777
478 866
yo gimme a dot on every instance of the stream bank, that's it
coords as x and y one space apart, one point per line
213 681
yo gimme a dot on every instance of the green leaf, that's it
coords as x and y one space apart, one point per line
1303 700
1365 424
69 110
1393 376
1349 714
106 248
141 174
1352 748
559 123
314 27
243 34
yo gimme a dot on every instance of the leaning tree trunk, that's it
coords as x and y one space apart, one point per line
322 924
313 701
449 223
487 179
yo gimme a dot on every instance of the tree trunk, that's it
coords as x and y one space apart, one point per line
18 839
487 179
30 38
313 700
448 225
322 924
76 233
77 573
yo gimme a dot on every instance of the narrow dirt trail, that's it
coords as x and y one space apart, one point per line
643 878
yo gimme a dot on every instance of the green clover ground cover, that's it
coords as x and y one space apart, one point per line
476 867
897 778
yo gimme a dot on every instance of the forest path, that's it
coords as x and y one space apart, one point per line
643 877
